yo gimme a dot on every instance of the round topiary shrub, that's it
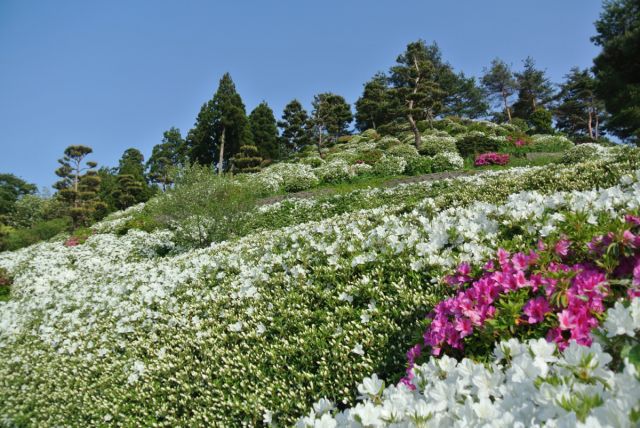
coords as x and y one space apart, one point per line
389 165
403 151
370 134
386 142
583 152
475 143
434 144
419 165
446 162
369 157
336 171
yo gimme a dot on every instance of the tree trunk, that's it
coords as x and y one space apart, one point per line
414 126
597 130
506 106
320 141
589 122
220 162
76 182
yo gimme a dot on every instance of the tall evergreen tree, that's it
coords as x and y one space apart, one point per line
534 90
414 83
578 111
264 131
500 84
170 153
330 118
464 98
295 127
132 187
617 67
373 108
79 184
221 127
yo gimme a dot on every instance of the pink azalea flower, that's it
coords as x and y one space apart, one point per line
562 247
535 309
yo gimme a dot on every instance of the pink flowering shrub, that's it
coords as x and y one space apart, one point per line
560 292
80 236
491 159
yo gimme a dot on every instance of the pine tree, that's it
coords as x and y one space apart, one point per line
373 108
617 69
264 131
295 127
534 90
11 189
500 83
132 187
330 118
413 82
464 98
578 110
166 155
221 127
78 185
247 160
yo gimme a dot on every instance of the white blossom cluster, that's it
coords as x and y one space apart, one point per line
528 384
114 330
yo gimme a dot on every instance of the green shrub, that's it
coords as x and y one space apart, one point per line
370 157
434 144
476 143
419 165
549 143
202 207
403 151
386 142
5 285
583 152
41 231
371 134
335 171
389 165
520 124
541 121
446 162
313 161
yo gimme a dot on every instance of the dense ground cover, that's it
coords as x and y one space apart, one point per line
151 333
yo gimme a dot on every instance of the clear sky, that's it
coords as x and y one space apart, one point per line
116 74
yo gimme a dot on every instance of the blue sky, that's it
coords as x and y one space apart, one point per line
116 74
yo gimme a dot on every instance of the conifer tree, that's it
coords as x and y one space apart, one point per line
221 127
78 185
534 90
295 127
132 187
264 131
500 83
578 111
414 83
330 118
166 155
247 160
373 108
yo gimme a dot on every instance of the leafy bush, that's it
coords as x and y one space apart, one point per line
335 171
549 143
360 168
446 162
419 165
313 161
583 152
287 176
476 143
41 231
389 165
202 207
5 285
370 157
387 142
371 134
434 144
519 124
403 151
541 121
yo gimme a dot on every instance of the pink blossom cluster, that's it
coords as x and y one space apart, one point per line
566 300
72 242
491 158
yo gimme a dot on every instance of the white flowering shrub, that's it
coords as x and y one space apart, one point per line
313 161
290 177
583 152
550 143
359 169
526 384
335 171
434 144
389 165
447 161
387 141
404 151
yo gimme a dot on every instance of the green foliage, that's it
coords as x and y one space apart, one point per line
579 112
330 117
616 67
165 156
475 144
389 166
374 107
541 121
32 209
434 144
419 165
295 128
11 189
224 114
5 285
202 207
403 151
500 84
264 131
534 90
247 160
370 157
41 231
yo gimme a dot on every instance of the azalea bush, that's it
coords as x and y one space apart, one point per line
5 284
491 159
526 383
